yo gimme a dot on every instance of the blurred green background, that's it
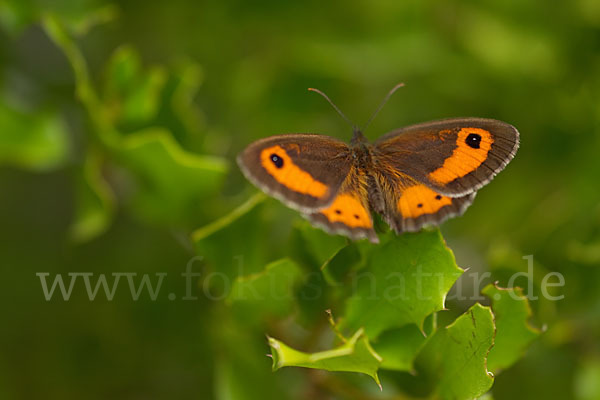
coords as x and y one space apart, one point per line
110 169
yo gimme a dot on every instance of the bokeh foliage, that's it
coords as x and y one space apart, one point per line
119 124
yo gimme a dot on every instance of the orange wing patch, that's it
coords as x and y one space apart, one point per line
473 145
418 200
281 167
348 210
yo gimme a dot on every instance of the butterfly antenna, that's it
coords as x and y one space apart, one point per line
335 107
385 100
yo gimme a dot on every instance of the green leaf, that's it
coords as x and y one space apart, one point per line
315 245
80 22
398 347
171 182
270 291
513 332
454 358
355 355
406 279
226 246
78 16
58 32
189 77
338 266
131 94
313 248
95 202
33 141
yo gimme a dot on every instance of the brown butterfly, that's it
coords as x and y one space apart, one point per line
414 176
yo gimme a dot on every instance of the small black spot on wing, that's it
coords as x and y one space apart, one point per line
277 161
473 140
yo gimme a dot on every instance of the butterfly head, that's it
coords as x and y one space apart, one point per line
357 137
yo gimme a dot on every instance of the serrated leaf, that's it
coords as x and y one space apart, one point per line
454 358
313 248
94 202
171 182
33 141
406 279
398 347
315 244
81 22
271 290
355 355
513 332
226 246
132 95
189 77
79 16
338 266
312 298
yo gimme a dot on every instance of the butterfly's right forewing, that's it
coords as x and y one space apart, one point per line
302 170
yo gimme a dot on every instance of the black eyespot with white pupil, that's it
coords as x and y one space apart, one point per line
278 161
473 140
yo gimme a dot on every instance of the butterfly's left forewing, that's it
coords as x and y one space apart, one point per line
454 157
426 173
316 175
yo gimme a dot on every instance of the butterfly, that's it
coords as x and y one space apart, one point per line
419 175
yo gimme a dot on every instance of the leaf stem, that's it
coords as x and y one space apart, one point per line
55 29
220 223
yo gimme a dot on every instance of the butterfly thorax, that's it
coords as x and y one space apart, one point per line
361 155
361 151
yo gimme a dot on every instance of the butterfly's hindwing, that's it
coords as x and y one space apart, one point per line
408 205
349 213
